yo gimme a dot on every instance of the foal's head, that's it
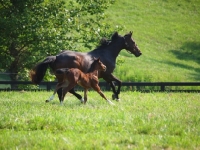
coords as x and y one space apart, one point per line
98 65
130 45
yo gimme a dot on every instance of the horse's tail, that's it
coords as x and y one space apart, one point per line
38 72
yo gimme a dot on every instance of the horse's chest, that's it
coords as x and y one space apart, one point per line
110 64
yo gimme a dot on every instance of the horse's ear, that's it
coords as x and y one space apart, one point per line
115 36
94 58
129 34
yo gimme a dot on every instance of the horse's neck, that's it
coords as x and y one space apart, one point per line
111 51
115 48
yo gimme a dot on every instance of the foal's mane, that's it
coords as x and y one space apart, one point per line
105 42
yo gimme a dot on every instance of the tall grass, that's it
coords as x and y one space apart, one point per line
138 121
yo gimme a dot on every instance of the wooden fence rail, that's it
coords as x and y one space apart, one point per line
161 86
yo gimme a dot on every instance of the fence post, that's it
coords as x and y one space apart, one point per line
162 87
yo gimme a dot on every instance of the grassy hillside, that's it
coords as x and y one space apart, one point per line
167 32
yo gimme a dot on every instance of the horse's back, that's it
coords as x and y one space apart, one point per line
72 59
69 53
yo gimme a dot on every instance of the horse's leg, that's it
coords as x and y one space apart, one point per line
97 88
76 94
109 78
85 95
118 89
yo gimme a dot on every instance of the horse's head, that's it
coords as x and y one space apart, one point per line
130 45
98 65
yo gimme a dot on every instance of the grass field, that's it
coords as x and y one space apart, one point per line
138 121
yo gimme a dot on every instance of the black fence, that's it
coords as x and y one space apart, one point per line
133 86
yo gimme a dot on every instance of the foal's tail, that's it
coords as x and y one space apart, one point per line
38 72
62 73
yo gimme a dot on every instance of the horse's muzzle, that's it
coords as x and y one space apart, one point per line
138 54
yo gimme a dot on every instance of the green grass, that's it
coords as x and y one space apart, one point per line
138 121
166 32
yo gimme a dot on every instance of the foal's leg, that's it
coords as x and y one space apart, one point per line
85 95
97 88
109 78
60 92
67 89
58 86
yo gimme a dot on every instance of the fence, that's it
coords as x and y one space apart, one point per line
139 86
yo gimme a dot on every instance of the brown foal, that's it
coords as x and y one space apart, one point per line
69 78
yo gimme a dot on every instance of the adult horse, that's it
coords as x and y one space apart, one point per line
107 52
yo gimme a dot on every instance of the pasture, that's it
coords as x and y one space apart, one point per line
166 33
138 121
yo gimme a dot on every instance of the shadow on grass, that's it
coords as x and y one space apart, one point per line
189 51
195 75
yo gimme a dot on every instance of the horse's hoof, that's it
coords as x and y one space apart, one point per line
117 99
113 97
47 101
82 100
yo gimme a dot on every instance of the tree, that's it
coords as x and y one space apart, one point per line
33 29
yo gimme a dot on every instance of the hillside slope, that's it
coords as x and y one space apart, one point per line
167 33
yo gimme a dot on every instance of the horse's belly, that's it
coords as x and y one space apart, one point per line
84 84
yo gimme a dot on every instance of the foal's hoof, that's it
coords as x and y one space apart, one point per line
47 101
109 102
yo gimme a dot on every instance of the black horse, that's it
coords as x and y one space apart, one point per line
107 52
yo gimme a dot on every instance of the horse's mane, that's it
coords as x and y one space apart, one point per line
105 42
